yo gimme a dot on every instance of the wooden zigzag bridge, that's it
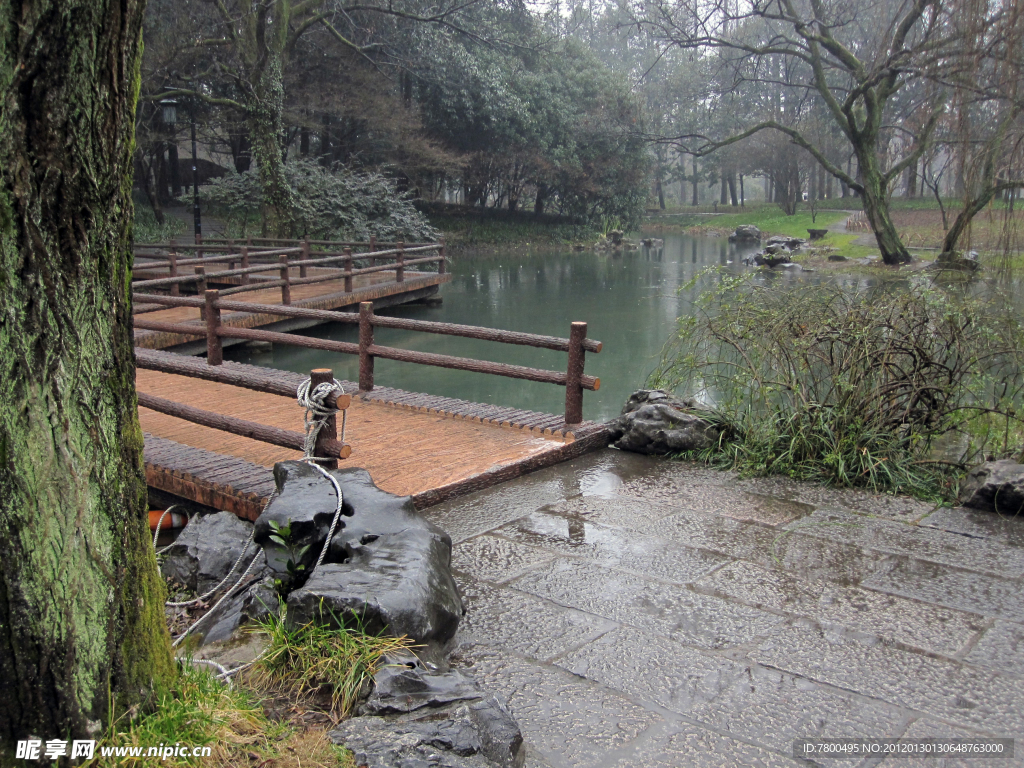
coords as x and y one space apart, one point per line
214 428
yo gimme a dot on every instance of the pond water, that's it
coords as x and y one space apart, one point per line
630 300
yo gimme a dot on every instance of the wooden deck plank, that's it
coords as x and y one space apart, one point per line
407 452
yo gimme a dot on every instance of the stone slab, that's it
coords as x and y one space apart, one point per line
695 747
952 587
522 624
666 609
495 559
893 619
916 541
807 557
568 721
946 690
646 555
749 702
1003 529
1001 647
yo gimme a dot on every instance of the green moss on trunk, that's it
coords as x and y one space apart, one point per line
81 601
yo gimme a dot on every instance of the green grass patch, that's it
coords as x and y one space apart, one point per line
198 710
303 661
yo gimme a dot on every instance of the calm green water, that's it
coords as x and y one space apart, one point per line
630 300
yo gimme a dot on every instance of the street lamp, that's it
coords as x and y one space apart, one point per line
195 185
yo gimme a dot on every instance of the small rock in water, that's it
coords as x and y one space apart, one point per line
745 233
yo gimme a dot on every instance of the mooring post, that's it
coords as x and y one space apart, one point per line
365 342
441 267
214 348
574 374
348 270
400 264
286 287
329 430
245 265
305 255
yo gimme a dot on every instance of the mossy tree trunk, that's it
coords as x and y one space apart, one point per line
81 600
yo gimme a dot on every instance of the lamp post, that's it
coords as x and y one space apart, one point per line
170 117
195 185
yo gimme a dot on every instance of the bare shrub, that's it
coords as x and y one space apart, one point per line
854 386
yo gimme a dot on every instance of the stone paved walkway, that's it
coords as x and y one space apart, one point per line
639 612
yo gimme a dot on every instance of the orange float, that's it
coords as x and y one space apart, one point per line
171 520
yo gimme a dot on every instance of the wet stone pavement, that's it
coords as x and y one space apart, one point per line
639 612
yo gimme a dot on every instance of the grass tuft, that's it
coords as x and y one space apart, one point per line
303 661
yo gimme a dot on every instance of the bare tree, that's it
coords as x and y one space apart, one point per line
869 63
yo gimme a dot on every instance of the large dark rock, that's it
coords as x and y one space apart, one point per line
745 233
997 486
478 735
399 582
657 422
206 549
387 567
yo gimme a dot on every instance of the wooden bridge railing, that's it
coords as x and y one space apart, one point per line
576 346
396 258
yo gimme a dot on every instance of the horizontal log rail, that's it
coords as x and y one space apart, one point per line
197 368
486 334
478 366
254 430
573 378
253 334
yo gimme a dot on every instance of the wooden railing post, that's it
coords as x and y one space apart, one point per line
365 342
286 289
348 270
245 265
172 259
441 267
305 255
400 264
329 431
373 247
574 374
201 287
214 348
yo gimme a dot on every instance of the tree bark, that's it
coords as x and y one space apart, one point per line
81 600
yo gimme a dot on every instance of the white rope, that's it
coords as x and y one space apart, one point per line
223 581
317 412
216 605
313 402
